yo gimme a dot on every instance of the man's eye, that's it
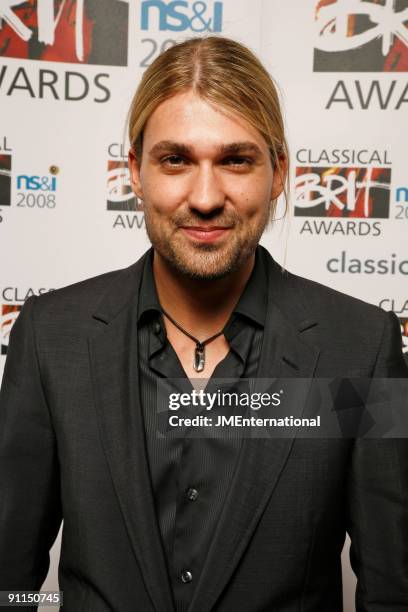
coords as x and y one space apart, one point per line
173 160
237 161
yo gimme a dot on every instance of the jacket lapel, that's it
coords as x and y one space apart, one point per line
284 354
115 379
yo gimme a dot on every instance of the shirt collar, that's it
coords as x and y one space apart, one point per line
251 304
148 298
253 299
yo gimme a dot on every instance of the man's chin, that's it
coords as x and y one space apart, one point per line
203 261
206 264
200 271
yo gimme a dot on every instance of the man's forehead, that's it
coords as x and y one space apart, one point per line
189 119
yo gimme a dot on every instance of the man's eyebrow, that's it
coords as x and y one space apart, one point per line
235 148
178 148
170 146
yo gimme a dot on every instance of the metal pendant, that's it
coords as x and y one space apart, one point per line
199 358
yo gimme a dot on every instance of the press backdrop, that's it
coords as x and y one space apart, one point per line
68 69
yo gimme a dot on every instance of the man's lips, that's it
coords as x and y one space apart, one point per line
206 234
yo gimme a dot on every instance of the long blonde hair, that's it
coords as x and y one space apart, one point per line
222 71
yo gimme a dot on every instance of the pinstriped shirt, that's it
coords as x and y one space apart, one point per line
190 477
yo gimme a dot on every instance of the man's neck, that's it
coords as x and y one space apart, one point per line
200 305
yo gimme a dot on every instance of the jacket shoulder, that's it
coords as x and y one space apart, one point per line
348 330
74 306
303 299
331 304
356 336
85 294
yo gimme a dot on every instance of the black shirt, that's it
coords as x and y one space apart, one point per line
191 476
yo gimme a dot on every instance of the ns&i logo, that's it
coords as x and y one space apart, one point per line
37 191
182 15
158 16
35 183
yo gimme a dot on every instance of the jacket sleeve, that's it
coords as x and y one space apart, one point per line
378 501
30 509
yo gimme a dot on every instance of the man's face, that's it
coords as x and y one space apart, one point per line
206 179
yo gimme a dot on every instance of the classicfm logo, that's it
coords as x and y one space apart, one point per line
363 36
182 16
346 264
120 197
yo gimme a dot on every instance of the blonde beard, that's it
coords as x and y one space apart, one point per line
209 261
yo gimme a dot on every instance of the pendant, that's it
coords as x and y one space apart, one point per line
199 357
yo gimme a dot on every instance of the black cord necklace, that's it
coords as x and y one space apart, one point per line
199 351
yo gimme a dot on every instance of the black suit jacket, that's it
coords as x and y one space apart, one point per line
72 447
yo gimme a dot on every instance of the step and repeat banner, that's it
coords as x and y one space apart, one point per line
68 70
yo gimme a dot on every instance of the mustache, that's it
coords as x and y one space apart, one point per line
188 219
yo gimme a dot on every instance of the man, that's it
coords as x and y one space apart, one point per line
198 524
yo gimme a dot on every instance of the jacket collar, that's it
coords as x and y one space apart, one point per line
284 292
120 291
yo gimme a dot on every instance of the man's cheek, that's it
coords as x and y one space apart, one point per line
166 197
160 211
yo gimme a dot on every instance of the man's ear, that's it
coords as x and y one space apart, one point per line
134 170
279 177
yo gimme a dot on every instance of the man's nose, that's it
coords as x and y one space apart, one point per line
206 193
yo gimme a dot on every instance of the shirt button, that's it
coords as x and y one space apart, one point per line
157 327
186 576
192 494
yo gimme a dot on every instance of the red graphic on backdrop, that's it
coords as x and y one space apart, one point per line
75 31
342 192
404 331
120 195
361 36
5 180
9 314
